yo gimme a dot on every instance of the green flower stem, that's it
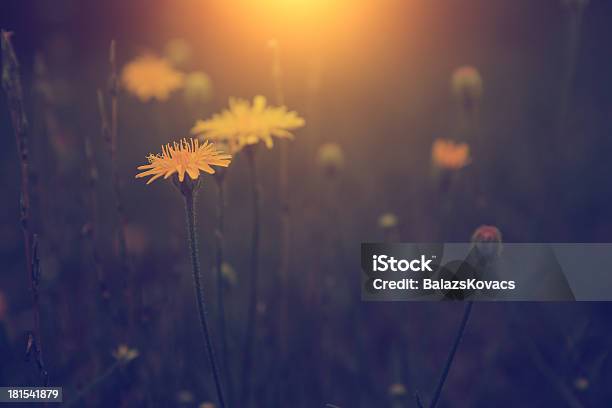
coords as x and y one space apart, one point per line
219 177
247 361
451 355
190 195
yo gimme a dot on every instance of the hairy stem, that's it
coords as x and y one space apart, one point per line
195 265
451 355
247 361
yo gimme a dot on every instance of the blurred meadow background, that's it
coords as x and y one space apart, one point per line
422 121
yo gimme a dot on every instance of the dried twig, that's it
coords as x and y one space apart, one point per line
576 11
418 400
109 132
451 355
91 227
540 362
11 82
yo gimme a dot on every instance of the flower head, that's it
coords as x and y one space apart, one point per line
467 85
228 273
581 383
124 354
488 240
150 77
245 124
198 88
388 221
330 158
487 233
178 51
447 154
186 156
397 390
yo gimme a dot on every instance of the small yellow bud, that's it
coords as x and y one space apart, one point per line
123 354
197 88
397 390
178 51
467 86
388 221
330 158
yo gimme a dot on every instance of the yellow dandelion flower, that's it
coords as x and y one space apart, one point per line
186 156
447 154
247 124
150 77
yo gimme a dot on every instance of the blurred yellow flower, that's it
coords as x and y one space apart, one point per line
150 77
467 84
198 87
447 154
330 158
178 51
397 390
184 397
245 124
229 274
581 383
124 354
186 156
387 221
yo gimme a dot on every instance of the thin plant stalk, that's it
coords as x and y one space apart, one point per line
285 226
190 197
93 384
114 120
571 56
540 362
11 82
110 133
277 75
219 258
247 361
451 355
92 225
